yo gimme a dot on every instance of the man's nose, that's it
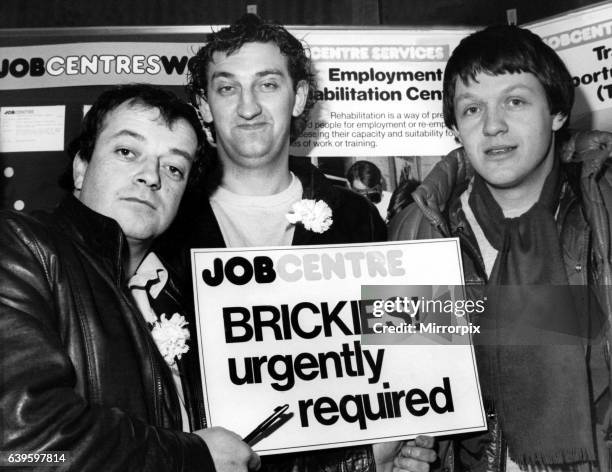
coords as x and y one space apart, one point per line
248 107
494 122
149 173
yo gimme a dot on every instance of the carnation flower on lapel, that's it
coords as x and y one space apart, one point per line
171 337
315 215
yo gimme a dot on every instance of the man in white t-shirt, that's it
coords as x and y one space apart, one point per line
253 85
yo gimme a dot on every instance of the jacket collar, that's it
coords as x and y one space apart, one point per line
590 148
102 236
439 192
316 187
314 184
442 186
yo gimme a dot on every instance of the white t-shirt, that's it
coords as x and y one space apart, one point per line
252 221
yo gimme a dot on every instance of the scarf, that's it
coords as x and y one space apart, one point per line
532 362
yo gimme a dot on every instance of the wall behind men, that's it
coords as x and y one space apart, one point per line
62 13
30 165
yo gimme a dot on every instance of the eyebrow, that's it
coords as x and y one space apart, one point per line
221 75
141 138
509 89
262 73
270 72
130 133
182 152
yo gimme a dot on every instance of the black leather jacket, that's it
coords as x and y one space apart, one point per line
356 220
79 370
583 221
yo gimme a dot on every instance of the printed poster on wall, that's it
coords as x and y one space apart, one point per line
379 92
583 39
292 326
30 129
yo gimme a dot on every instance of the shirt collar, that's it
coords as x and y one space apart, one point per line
150 275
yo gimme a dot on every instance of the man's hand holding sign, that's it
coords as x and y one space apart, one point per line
301 333
228 451
414 455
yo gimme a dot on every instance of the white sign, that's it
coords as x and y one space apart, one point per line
286 326
95 63
31 129
583 39
379 92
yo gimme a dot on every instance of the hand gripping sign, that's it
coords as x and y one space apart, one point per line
292 326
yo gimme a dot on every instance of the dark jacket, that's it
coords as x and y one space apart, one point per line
583 222
79 369
355 220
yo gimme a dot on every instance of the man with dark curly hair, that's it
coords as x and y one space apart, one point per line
253 85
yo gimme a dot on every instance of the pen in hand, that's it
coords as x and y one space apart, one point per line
266 424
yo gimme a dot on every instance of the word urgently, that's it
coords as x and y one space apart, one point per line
284 368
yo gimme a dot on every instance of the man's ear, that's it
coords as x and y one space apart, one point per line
558 121
301 96
204 109
79 168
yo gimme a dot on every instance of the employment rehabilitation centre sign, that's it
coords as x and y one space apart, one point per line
291 326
